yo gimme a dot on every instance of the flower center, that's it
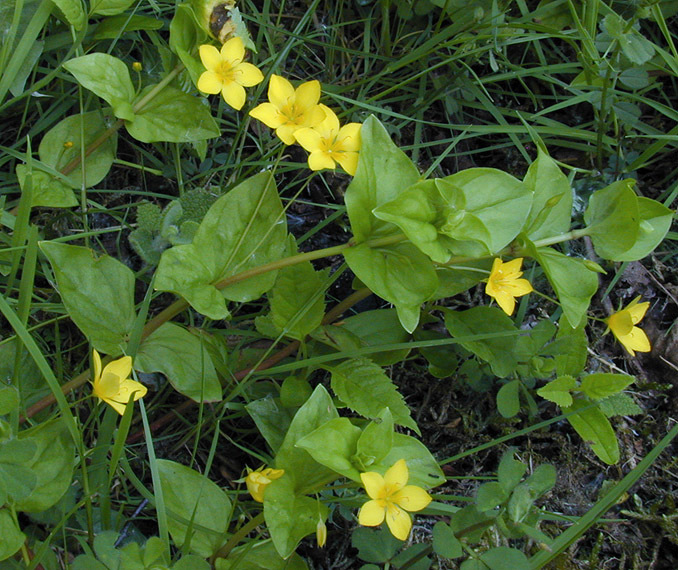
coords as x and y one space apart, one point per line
225 72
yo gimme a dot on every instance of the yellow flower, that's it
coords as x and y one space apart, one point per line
321 532
504 283
391 494
289 110
227 73
329 144
113 385
622 326
258 480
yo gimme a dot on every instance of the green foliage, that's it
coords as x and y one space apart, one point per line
241 230
198 510
98 293
183 358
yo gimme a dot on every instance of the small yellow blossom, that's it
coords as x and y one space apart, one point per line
390 497
227 73
136 66
321 532
504 283
328 144
289 109
68 144
622 326
113 385
258 480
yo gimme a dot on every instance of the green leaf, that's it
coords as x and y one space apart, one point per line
570 349
497 350
377 545
261 556
460 277
445 544
73 12
9 399
98 293
107 77
184 359
47 190
423 467
384 171
613 219
365 388
571 279
505 558
172 116
79 131
593 427
297 301
333 445
17 480
490 495
192 562
289 516
510 471
12 537
601 385
298 463
375 442
508 399
619 405
52 463
272 419
551 210
495 199
377 328
558 391
398 273
113 27
542 480
195 502
242 230
109 7
655 221
295 391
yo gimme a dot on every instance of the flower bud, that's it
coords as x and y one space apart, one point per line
136 66
321 532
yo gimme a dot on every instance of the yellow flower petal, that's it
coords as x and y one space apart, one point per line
505 300
411 498
280 91
106 387
371 513
398 521
637 310
320 160
234 95
97 365
122 367
233 50
348 138
210 82
286 133
309 139
329 127
396 477
268 114
117 406
307 94
504 284
620 323
511 269
210 57
373 483
248 75
347 160
636 340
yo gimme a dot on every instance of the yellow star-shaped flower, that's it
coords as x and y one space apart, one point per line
329 144
289 109
504 283
258 480
622 326
113 385
227 73
391 497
